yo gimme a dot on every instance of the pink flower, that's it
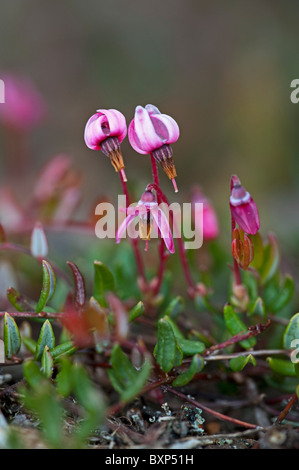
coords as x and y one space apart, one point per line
105 123
105 131
24 107
210 221
243 208
148 211
151 132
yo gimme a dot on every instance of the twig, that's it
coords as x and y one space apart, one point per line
253 331
209 410
261 352
287 408
55 315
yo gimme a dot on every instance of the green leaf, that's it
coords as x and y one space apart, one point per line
238 363
176 331
176 306
32 374
41 398
271 259
190 347
29 343
235 326
258 248
103 282
291 333
197 364
11 336
47 362
165 350
251 283
258 308
16 299
178 356
48 287
64 379
126 380
284 296
64 349
136 311
46 338
282 366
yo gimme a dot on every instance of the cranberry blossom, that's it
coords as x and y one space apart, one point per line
151 132
148 212
105 131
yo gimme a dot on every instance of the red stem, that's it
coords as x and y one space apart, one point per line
139 262
162 252
180 242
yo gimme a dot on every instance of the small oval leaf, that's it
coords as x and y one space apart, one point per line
48 287
235 325
175 307
282 366
190 347
103 282
292 332
47 362
238 363
136 311
165 350
11 336
46 338
197 364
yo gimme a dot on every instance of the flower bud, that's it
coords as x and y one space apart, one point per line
210 229
243 208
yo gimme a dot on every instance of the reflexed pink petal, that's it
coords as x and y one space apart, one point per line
134 141
150 130
94 134
116 121
164 227
104 123
151 109
166 126
123 226
146 134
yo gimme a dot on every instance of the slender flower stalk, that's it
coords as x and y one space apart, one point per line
138 258
193 288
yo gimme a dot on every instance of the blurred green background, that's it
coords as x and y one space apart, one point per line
221 69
